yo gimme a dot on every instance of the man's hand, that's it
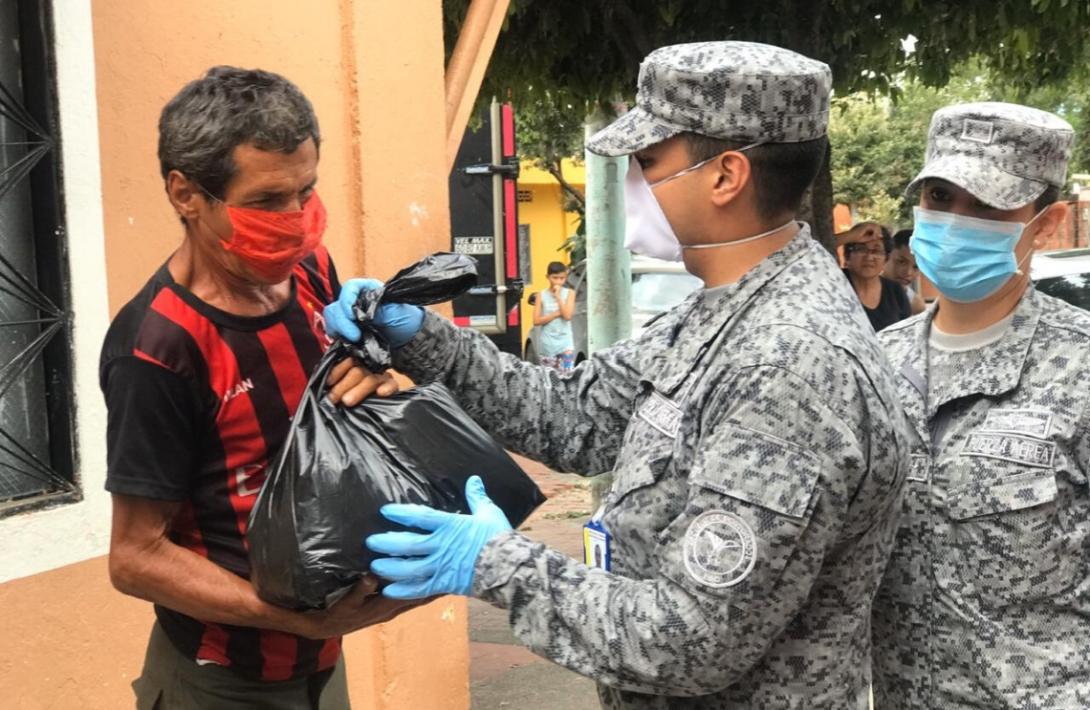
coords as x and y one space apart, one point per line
361 607
350 384
862 233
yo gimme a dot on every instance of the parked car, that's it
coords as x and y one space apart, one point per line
657 286
1065 274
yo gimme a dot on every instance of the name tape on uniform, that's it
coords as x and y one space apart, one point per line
662 413
1010 447
1031 422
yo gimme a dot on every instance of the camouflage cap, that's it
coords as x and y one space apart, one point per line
1005 155
742 91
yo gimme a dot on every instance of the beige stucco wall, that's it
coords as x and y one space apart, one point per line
374 71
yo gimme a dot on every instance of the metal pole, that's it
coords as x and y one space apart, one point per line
609 275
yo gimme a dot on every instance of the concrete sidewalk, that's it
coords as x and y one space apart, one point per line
503 673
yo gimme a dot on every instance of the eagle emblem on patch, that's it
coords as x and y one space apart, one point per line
719 549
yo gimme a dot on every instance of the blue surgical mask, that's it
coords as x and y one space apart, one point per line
967 259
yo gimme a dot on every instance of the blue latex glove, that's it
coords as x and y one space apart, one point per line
398 322
442 562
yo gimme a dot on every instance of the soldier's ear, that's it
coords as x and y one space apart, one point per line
732 174
1049 222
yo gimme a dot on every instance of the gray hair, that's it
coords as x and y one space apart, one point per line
200 128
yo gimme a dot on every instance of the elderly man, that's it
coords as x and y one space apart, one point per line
202 371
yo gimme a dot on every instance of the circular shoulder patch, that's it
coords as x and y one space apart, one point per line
720 549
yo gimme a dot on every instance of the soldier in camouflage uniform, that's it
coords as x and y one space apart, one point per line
753 432
985 602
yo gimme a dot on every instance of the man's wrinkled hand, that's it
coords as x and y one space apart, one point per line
862 233
360 608
349 384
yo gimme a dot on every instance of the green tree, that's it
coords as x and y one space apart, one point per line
549 133
879 143
586 53
1070 100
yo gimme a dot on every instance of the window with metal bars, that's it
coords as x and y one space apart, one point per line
37 461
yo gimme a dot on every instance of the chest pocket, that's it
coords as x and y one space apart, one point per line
1011 539
649 444
763 471
647 492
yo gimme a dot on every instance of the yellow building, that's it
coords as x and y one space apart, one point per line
541 208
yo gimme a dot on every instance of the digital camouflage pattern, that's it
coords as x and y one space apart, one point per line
1005 155
758 454
740 91
986 603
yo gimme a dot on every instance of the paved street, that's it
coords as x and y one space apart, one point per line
503 674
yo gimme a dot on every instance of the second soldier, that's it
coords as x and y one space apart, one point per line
985 603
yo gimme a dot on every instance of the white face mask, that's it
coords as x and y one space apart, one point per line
646 229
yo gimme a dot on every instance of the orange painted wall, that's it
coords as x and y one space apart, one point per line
69 641
374 71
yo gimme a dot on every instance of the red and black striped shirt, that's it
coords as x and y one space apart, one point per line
199 401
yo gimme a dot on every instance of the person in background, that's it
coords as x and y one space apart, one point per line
884 300
901 267
552 315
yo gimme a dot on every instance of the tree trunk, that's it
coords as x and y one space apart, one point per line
817 205
557 171
806 34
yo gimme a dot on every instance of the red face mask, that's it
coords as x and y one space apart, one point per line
270 244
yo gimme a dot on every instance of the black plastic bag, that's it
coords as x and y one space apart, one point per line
340 465
434 279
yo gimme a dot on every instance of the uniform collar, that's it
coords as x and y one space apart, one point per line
992 371
708 313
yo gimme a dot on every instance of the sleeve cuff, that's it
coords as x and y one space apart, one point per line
425 357
500 558
142 488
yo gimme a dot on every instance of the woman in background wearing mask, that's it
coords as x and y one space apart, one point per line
884 301
984 601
